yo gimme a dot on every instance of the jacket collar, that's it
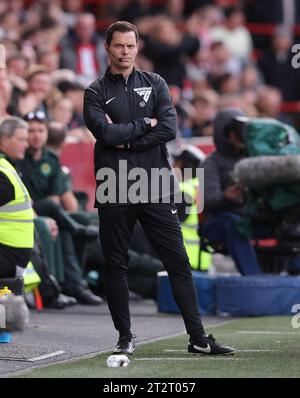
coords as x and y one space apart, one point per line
119 76
11 161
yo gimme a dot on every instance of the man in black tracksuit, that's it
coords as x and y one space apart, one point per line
132 118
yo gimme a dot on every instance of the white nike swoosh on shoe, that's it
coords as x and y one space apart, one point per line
206 349
107 102
174 211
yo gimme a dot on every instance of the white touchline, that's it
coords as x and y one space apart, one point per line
46 356
39 358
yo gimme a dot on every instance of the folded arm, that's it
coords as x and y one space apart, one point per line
108 133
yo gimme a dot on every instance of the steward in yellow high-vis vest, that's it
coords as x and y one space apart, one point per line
189 228
16 216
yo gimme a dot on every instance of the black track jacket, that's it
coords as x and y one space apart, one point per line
127 103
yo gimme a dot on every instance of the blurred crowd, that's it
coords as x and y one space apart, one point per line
202 48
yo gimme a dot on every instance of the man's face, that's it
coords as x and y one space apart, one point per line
38 135
122 50
17 66
40 84
15 146
85 28
235 140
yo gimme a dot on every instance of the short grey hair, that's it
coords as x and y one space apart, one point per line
9 124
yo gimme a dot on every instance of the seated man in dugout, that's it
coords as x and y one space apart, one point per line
16 214
41 172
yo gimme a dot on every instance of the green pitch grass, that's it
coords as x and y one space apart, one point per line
268 347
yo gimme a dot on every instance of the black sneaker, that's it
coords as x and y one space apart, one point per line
208 346
126 345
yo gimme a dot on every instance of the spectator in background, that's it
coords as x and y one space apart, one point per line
137 9
37 93
184 111
201 22
250 79
234 34
10 23
49 59
64 76
239 101
17 65
231 101
50 34
77 131
17 68
29 44
3 6
82 50
33 16
276 65
6 93
71 10
221 61
56 138
269 102
227 83
205 103
62 111
143 63
74 92
166 47
16 6
249 84
197 81
174 9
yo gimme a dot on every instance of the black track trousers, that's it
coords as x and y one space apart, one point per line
161 224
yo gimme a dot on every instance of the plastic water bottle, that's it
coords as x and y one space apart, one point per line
117 361
5 336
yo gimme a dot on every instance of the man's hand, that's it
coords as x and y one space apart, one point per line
109 121
52 226
235 192
154 122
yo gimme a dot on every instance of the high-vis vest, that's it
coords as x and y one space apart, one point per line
16 217
189 228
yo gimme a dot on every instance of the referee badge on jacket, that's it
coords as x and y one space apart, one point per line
144 92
